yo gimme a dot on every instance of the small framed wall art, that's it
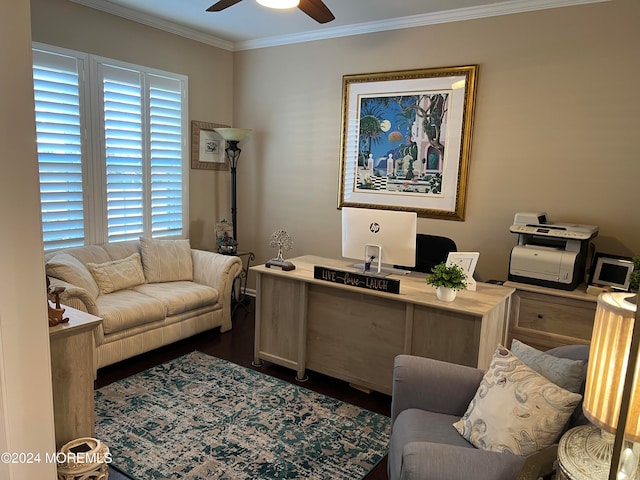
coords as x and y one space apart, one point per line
207 146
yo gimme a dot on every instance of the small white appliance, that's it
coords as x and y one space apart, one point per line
549 254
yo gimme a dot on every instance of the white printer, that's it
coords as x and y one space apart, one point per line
549 254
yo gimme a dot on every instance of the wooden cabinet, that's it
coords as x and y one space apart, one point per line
546 318
73 372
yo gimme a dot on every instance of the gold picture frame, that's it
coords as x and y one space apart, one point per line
207 146
406 140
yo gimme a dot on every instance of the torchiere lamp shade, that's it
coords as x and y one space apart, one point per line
610 344
233 134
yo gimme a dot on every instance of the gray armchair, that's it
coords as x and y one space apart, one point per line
428 397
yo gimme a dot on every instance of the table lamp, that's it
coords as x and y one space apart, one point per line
233 136
611 394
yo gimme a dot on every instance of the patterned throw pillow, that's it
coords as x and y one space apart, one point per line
564 372
515 409
118 274
166 260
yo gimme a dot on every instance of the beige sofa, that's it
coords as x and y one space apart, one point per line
149 293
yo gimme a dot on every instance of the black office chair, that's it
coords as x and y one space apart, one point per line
430 251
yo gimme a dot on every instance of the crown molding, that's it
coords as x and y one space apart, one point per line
155 22
449 16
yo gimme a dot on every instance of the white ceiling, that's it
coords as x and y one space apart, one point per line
248 25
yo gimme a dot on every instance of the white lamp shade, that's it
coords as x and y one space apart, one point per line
233 134
280 4
608 361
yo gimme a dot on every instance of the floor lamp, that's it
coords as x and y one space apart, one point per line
233 136
611 448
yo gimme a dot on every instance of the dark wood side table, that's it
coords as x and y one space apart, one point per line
240 282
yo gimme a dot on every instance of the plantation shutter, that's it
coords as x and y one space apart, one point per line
123 149
166 147
57 97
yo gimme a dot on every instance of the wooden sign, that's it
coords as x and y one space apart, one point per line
371 282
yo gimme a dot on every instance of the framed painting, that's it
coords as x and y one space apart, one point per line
207 146
406 139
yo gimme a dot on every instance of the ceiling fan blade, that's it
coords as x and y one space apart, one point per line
222 4
317 10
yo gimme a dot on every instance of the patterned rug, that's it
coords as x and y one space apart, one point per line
200 417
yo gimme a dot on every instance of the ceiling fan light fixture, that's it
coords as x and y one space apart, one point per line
279 4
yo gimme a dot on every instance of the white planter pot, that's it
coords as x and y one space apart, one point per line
446 294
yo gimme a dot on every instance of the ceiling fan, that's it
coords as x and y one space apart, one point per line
316 9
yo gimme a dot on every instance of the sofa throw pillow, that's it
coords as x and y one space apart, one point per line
166 260
564 372
118 274
515 409
71 270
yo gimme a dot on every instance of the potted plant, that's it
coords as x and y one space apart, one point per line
447 279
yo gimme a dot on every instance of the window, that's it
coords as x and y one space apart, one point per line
112 149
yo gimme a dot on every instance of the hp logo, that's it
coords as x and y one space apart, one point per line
374 227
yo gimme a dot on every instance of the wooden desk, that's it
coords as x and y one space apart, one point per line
354 334
73 372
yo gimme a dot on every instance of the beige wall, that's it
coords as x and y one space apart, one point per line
210 71
556 119
26 404
556 127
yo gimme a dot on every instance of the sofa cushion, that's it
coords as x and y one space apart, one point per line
428 460
117 274
415 425
71 270
564 372
516 409
180 297
118 250
86 254
127 308
166 260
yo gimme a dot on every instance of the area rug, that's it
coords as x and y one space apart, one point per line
200 417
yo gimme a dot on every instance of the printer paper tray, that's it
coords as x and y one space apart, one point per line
543 283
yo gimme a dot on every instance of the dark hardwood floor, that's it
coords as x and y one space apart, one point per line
237 346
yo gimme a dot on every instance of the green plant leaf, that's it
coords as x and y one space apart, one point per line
451 276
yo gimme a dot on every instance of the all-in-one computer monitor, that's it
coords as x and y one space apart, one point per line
387 235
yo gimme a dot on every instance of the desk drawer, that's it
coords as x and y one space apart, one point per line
551 319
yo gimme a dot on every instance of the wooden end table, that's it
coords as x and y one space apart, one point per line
73 372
